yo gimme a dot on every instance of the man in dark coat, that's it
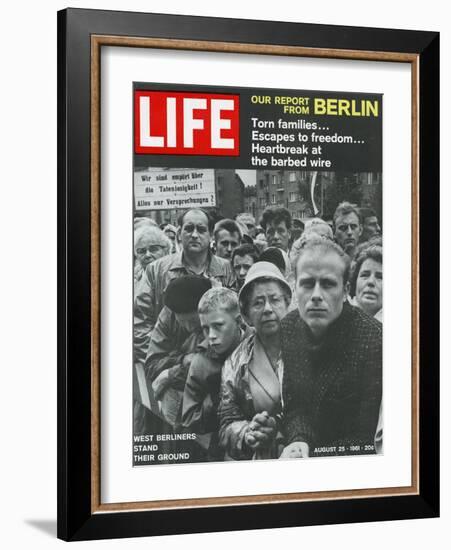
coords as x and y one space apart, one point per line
332 353
175 340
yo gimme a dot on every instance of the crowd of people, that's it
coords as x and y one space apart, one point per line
260 341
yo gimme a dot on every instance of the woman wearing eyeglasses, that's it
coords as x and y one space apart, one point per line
150 244
250 404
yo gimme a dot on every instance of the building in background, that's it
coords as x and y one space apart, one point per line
304 194
250 200
229 193
289 189
362 189
372 192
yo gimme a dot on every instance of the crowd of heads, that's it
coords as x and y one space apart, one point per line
313 266
351 242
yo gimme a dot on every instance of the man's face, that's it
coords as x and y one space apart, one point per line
347 232
148 249
266 308
241 265
222 330
319 289
189 321
226 243
371 228
278 235
195 235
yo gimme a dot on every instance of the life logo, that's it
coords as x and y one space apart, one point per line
185 123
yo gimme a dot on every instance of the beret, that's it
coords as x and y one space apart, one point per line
275 256
182 295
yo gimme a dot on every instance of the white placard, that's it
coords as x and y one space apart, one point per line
173 188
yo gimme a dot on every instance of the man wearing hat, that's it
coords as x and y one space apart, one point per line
176 333
250 405
175 340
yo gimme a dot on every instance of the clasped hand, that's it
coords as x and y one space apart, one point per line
261 431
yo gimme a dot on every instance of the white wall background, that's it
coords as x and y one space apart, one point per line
28 274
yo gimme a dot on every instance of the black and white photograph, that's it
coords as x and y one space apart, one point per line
257 270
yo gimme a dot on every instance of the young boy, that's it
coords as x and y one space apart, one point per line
222 326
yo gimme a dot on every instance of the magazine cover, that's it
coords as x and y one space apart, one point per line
257 272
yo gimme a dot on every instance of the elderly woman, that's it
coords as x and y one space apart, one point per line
150 243
366 280
250 404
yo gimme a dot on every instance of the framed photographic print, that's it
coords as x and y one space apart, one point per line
234 353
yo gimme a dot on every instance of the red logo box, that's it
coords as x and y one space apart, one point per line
185 123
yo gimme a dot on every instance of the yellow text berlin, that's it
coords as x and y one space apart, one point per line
345 107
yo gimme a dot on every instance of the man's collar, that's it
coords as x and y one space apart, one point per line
246 349
177 261
214 265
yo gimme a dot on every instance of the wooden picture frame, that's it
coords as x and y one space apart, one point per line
81 36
